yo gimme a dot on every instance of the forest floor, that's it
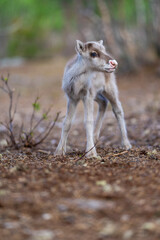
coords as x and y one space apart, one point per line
43 197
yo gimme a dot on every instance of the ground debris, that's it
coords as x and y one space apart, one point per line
43 197
111 229
42 235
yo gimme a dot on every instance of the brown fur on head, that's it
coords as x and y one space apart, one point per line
96 56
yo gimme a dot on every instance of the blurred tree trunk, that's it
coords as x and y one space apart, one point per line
93 29
142 41
155 8
107 26
120 49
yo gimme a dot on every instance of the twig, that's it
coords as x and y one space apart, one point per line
83 155
33 113
28 135
4 125
43 151
41 119
11 117
20 132
6 128
48 132
29 139
121 153
4 89
16 104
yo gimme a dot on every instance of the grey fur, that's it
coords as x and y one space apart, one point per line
90 80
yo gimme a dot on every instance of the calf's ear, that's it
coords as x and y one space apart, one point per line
100 42
80 47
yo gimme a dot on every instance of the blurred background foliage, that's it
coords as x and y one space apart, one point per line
44 28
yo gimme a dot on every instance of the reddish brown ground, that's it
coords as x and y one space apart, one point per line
115 197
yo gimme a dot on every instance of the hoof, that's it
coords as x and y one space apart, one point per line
127 145
92 155
59 152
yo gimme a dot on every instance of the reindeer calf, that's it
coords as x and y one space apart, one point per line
89 77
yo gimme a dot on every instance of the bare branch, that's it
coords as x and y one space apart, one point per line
48 132
4 89
20 133
16 104
41 119
33 114
121 153
7 132
10 94
29 140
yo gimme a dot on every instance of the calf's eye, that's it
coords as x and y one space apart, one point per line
93 54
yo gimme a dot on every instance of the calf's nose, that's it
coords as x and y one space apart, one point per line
113 63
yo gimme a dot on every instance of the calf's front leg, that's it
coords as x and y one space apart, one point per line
71 107
102 102
89 124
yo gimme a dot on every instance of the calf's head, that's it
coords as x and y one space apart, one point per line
96 57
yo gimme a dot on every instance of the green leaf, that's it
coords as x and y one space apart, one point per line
31 133
44 116
36 106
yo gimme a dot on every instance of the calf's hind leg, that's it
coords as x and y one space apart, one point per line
71 107
119 114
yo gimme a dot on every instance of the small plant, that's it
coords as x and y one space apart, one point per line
30 137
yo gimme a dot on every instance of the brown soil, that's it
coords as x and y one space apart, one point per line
68 198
